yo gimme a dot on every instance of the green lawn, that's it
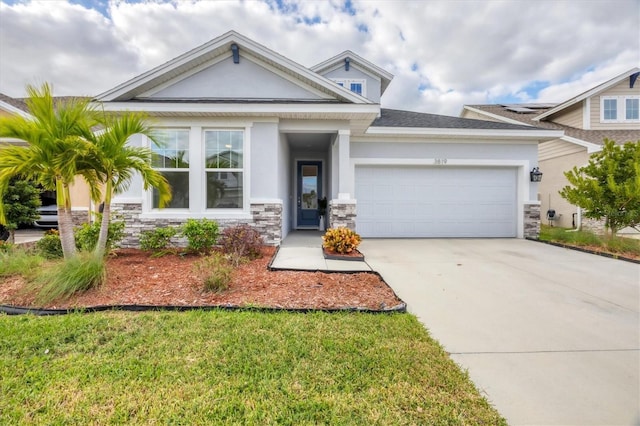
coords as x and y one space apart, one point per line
230 368
618 245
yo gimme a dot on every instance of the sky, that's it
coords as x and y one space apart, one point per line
443 54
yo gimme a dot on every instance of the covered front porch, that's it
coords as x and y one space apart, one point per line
318 179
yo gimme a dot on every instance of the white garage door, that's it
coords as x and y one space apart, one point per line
407 201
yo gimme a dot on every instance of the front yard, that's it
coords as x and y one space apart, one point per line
230 368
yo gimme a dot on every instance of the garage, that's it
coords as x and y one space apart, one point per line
436 201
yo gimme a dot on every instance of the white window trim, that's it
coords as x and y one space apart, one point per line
624 102
346 83
148 198
197 178
621 109
243 169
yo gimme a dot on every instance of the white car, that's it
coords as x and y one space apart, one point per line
48 217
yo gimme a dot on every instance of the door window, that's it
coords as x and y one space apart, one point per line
310 187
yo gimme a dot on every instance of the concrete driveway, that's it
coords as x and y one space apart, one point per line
550 335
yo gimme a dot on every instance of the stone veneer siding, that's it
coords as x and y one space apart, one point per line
531 220
79 217
266 218
342 213
593 225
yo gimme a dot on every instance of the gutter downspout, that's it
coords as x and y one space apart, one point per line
578 223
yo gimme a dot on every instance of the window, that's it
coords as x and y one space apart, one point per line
356 85
620 109
631 108
224 168
171 158
610 109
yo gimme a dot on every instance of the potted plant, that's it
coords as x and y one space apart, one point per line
322 211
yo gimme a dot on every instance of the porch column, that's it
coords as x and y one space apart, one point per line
345 179
342 211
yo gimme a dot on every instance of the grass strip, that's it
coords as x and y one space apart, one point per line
617 245
231 368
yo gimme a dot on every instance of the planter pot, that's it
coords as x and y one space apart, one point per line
353 256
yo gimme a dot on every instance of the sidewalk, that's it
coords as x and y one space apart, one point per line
302 251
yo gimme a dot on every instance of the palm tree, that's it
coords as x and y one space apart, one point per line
116 163
57 144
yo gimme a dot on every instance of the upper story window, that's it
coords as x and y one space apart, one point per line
356 85
619 109
171 158
610 109
631 109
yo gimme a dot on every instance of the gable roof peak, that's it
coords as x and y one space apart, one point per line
385 76
587 94
222 45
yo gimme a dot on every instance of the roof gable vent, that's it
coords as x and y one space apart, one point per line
236 53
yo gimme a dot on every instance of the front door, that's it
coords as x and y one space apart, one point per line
309 190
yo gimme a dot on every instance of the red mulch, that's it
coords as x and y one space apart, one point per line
136 278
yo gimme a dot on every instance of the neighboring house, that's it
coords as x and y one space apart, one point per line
249 136
80 196
609 110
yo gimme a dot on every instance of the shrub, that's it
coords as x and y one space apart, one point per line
49 246
215 272
201 235
87 235
21 200
5 247
240 242
157 240
64 279
341 240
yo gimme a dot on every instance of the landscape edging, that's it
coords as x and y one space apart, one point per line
585 250
21 310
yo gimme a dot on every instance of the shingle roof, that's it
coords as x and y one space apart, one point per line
14 102
592 136
398 118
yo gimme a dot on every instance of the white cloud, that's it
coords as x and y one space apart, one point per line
443 53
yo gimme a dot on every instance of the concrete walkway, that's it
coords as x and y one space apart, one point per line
550 335
302 250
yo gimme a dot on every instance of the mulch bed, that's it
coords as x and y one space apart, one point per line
136 278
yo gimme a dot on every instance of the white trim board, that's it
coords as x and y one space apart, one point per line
14 110
540 135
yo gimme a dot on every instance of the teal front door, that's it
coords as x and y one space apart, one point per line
309 191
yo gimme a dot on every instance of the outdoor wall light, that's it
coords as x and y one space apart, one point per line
536 175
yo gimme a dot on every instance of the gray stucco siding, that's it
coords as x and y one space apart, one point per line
497 151
246 80
265 161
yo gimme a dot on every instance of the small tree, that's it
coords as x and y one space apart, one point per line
56 136
609 186
21 200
